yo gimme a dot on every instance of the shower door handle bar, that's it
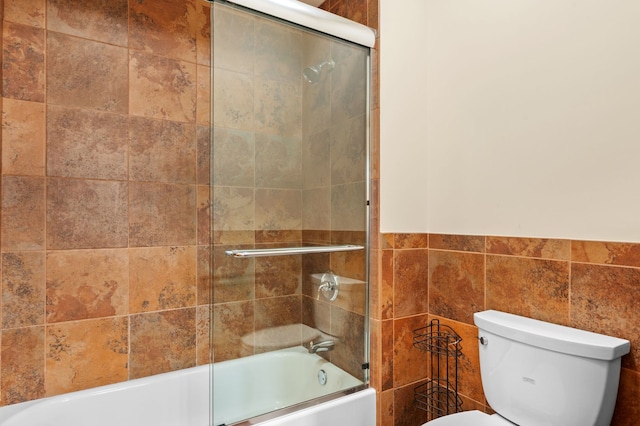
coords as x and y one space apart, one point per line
292 250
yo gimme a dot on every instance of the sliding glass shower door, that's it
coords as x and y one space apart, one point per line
289 194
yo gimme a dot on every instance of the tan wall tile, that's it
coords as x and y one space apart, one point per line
409 363
22 377
100 21
623 254
411 278
25 12
473 243
23 296
530 247
232 322
23 138
23 73
23 213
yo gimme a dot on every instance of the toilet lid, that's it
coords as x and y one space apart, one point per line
470 418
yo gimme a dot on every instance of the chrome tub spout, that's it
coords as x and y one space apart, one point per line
323 346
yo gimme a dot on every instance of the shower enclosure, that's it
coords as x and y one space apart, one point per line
289 191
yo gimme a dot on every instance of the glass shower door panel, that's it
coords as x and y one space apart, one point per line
289 170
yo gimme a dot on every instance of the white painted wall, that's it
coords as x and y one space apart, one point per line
525 118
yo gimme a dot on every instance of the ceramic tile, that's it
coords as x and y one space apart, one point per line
162 278
624 254
23 73
203 286
233 279
530 247
316 208
203 155
233 157
317 314
387 284
203 335
278 51
375 284
161 214
373 14
86 354
387 355
608 294
386 403
278 162
375 354
534 288
30 12
278 276
203 34
79 139
86 74
234 40
347 327
23 213
316 160
457 242
268 236
627 405
356 10
278 209
164 27
235 92
86 214
405 411
407 241
313 264
232 325
22 377
347 203
203 95
104 21
162 342
162 88
23 137
23 296
278 108
349 150
277 311
204 214
410 364
456 284
87 284
233 209
348 88
162 151
411 277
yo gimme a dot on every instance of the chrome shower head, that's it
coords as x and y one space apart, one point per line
312 74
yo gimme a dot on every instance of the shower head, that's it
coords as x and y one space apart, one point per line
312 74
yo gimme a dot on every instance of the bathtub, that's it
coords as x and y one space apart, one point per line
244 388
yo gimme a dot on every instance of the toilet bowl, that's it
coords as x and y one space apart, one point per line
537 373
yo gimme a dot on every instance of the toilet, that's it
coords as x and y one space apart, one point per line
535 373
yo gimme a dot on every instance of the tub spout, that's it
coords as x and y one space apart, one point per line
323 346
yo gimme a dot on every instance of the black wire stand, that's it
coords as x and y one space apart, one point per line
439 395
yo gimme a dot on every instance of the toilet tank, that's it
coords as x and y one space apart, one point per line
543 374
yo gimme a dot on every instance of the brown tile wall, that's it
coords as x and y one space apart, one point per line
105 171
416 277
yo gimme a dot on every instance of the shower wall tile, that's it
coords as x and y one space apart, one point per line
99 21
348 156
278 209
233 157
86 74
347 328
86 354
387 352
278 162
80 139
530 247
278 51
278 107
84 284
204 280
278 311
356 10
204 214
203 33
161 214
233 324
23 64
474 243
162 88
25 12
162 278
22 377
23 213
316 314
610 294
162 342
203 155
348 88
456 284
235 40
533 288
23 290
293 236
203 95
162 151
86 214
316 208
236 92
203 335
233 279
164 27
347 212
234 209
316 160
278 276
23 138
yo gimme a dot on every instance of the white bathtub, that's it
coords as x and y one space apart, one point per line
243 388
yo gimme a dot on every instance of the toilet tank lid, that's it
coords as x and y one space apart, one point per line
550 336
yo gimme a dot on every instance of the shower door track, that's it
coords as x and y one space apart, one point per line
292 250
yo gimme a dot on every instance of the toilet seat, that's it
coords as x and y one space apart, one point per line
470 418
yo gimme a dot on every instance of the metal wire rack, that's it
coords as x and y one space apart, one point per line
439 395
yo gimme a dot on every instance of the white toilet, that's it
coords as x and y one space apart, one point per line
535 373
